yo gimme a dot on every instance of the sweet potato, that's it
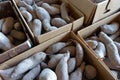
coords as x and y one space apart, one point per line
47 74
32 74
71 64
62 68
47 26
72 50
27 15
41 13
112 51
92 43
51 9
64 12
8 25
77 74
56 47
58 22
31 62
90 72
110 28
17 26
5 43
54 60
36 27
79 54
18 35
100 50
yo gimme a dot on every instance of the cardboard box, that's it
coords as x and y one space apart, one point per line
94 12
86 32
75 25
103 72
6 10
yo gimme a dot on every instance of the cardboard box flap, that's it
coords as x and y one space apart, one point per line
88 8
113 5
79 5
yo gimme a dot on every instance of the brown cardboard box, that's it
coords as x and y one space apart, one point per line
75 25
103 72
86 32
94 12
6 10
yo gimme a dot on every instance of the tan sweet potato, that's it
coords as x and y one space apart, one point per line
18 35
8 25
64 12
90 72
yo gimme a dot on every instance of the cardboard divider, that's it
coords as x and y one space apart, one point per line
46 36
86 32
96 11
6 10
103 73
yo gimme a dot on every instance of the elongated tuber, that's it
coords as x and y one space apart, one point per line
42 13
30 9
92 43
77 74
1 23
64 12
36 27
110 28
54 59
51 9
8 25
32 74
31 62
100 50
5 43
72 50
112 51
58 22
79 54
17 26
90 72
62 68
47 26
18 35
71 64
27 15
47 74
56 47
118 45
115 35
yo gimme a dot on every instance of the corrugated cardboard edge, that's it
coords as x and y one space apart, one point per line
84 33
